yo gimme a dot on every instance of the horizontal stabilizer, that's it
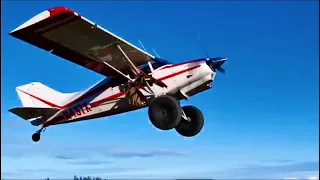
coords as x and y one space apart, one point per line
32 112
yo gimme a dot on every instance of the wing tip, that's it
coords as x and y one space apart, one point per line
49 13
58 10
37 18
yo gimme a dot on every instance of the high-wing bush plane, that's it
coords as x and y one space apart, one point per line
134 78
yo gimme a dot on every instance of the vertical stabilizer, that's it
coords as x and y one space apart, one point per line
36 94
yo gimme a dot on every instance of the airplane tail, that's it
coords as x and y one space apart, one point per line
39 102
36 116
36 94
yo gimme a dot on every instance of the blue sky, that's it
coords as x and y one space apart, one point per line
261 118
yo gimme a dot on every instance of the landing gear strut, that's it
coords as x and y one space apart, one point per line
36 135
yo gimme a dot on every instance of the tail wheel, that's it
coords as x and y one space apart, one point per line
36 137
165 112
192 127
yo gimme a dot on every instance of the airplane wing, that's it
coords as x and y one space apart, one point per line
65 33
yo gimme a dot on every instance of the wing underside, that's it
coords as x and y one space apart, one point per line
71 36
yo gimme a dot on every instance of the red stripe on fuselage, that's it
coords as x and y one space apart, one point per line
100 89
114 96
177 73
97 103
42 100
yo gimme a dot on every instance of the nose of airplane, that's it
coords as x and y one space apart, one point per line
216 63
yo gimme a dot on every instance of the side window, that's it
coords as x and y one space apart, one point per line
146 70
155 64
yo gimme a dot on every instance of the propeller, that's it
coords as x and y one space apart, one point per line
214 63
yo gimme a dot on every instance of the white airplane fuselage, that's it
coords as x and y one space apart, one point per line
106 97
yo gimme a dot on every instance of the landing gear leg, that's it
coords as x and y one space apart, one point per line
192 123
36 135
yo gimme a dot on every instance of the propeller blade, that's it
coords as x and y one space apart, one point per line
216 64
220 69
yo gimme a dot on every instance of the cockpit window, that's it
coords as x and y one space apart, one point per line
156 63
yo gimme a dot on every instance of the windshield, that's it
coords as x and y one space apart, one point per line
156 63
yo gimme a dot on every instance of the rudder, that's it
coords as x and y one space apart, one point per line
36 94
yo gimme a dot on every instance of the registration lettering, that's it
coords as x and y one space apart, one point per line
76 111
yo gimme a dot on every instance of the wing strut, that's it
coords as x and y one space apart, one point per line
134 68
132 93
140 77
115 69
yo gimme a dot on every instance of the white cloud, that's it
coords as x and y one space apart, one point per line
290 178
313 178
157 173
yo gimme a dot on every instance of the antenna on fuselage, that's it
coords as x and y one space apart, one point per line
149 62
202 47
156 53
142 45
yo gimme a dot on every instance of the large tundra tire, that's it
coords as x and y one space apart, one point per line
165 112
192 127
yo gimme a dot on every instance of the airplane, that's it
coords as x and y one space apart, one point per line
134 79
